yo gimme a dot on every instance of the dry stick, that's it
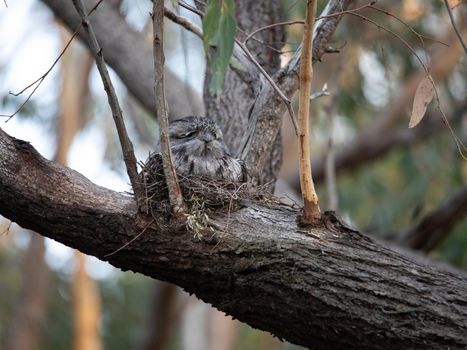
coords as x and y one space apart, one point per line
43 76
451 17
127 146
175 194
311 211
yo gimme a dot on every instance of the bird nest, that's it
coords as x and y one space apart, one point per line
199 192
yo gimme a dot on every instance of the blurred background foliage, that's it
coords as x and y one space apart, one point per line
373 75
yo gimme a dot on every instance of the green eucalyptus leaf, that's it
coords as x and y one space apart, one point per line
211 24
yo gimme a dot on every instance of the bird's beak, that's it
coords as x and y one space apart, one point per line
206 136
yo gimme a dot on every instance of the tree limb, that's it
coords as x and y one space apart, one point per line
325 288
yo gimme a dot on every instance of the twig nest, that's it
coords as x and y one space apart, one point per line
199 192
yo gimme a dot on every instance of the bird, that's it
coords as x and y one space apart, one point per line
198 150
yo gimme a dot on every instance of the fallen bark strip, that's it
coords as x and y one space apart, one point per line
323 288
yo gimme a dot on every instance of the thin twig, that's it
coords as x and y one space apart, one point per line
127 146
451 17
288 23
175 194
183 22
324 92
131 240
191 8
43 76
311 211
416 33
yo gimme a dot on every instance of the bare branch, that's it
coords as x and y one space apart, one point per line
175 194
127 146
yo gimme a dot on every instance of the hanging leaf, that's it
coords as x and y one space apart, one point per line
423 96
211 24
219 28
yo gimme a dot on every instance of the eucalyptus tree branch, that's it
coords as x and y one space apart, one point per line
127 147
256 264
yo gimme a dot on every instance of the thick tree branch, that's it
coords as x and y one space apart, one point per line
128 53
324 288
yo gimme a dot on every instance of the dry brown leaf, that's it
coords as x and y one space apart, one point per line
423 96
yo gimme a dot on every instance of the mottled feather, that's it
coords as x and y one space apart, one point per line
199 150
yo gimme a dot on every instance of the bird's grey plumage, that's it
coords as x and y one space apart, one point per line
199 150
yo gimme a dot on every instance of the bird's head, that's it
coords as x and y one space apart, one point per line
198 136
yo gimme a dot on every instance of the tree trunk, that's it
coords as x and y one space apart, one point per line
325 288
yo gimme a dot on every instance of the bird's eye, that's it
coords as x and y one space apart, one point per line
186 134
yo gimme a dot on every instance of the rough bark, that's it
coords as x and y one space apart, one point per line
127 52
325 288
